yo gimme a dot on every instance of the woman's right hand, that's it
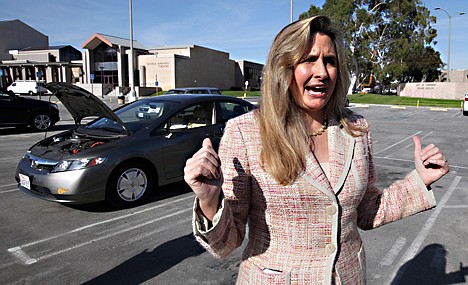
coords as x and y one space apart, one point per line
203 174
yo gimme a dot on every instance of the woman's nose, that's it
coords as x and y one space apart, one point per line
320 69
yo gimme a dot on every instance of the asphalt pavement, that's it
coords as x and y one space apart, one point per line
50 243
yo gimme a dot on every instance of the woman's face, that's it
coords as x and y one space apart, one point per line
315 76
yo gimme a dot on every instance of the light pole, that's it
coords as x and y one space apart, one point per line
291 11
132 96
448 47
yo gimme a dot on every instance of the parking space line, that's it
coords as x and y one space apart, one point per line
422 138
414 112
397 143
411 160
390 257
103 222
9 190
21 255
26 259
456 207
392 254
411 252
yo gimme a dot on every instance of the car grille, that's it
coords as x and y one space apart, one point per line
43 191
41 163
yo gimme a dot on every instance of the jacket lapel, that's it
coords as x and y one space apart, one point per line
341 150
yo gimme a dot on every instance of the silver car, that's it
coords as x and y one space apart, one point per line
193 90
122 155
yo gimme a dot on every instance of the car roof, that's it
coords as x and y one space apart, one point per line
195 88
187 98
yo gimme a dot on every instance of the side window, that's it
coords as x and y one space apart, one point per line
231 110
195 116
4 95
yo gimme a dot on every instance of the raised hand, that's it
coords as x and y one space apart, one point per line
431 163
203 174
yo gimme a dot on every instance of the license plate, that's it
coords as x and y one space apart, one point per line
24 181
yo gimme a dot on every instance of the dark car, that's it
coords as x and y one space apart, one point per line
124 154
18 111
193 90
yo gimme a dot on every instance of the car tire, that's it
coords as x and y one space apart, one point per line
31 93
41 122
128 184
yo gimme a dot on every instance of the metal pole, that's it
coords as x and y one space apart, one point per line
448 47
448 54
132 96
291 12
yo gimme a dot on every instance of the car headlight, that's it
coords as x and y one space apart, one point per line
68 165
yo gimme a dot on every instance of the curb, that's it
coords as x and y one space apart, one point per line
439 109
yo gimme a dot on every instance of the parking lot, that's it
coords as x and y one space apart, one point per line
49 243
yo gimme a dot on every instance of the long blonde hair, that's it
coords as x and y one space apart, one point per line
284 138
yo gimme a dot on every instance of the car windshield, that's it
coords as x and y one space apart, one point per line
135 116
174 91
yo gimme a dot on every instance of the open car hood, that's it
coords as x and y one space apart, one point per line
81 104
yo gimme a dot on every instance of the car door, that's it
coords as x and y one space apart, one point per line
186 131
10 110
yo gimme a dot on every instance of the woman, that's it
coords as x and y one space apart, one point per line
300 172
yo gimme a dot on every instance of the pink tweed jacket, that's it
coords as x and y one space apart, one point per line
305 233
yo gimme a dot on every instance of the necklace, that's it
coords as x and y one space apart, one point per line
321 130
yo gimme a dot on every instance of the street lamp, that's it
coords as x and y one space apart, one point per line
448 47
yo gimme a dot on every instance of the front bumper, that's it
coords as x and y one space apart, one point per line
76 187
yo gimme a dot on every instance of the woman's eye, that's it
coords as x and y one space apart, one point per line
309 60
330 60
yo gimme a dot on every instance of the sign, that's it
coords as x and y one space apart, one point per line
91 76
1 72
156 83
465 105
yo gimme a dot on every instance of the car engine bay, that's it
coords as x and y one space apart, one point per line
65 144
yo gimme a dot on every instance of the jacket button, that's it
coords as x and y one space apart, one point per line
331 210
330 248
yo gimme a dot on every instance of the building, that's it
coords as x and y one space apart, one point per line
26 55
106 61
103 65
16 35
186 66
167 67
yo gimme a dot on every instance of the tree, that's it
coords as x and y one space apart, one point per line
387 40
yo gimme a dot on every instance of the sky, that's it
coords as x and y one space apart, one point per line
243 28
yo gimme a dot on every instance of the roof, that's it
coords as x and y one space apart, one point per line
98 38
17 22
46 48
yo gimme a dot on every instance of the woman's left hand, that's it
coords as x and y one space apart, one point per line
431 163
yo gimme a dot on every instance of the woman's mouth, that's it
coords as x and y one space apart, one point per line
315 90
